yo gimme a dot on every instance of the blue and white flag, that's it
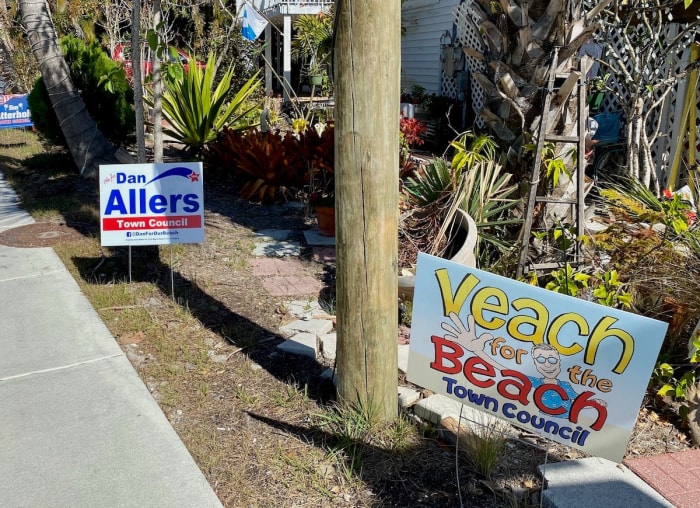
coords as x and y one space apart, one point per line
253 23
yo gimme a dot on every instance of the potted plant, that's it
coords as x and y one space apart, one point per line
316 73
324 206
322 199
318 152
312 45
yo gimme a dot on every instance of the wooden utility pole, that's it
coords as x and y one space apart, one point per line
367 81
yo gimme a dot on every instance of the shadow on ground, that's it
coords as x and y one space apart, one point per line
259 343
425 474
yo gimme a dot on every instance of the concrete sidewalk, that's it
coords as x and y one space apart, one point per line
78 428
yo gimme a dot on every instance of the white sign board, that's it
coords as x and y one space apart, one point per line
570 370
151 204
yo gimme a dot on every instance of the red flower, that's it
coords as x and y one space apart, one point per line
412 130
668 194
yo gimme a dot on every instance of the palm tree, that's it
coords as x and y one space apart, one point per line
88 146
518 43
312 42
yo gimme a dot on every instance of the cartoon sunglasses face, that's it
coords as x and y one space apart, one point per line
550 359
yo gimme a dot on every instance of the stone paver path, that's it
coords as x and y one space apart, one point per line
285 277
673 475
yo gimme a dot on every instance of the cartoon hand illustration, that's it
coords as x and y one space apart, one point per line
466 337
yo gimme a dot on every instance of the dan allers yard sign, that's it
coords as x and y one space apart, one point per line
151 204
570 370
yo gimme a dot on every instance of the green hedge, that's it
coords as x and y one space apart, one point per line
111 105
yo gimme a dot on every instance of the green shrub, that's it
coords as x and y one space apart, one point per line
110 103
43 116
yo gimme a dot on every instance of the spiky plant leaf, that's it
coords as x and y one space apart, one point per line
196 109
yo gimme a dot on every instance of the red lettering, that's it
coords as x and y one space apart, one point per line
477 366
446 350
521 384
539 394
582 402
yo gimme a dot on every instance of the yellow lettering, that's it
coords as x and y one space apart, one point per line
480 304
450 302
538 322
558 324
602 331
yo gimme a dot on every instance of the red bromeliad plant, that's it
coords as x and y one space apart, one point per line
267 165
410 132
270 166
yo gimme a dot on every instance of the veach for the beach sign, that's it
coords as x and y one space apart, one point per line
570 370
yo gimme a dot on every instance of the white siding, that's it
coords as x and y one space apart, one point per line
423 22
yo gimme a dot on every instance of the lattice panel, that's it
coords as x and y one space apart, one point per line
663 147
679 139
449 86
467 35
673 112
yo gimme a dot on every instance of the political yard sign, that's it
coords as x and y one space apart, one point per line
14 111
151 204
570 370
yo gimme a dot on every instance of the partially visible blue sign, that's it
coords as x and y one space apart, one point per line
14 111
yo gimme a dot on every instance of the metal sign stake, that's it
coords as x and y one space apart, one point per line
172 277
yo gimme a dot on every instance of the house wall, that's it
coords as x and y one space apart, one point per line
423 23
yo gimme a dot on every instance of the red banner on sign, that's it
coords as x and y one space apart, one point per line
152 222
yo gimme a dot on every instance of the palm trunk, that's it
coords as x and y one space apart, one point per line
519 61
87 144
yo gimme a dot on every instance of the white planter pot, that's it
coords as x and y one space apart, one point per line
464 255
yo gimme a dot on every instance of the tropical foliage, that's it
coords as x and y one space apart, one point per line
197 110
473 181
318 149
312 43
652 243
265 167
270 167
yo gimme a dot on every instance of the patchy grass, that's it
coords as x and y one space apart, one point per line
485 442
